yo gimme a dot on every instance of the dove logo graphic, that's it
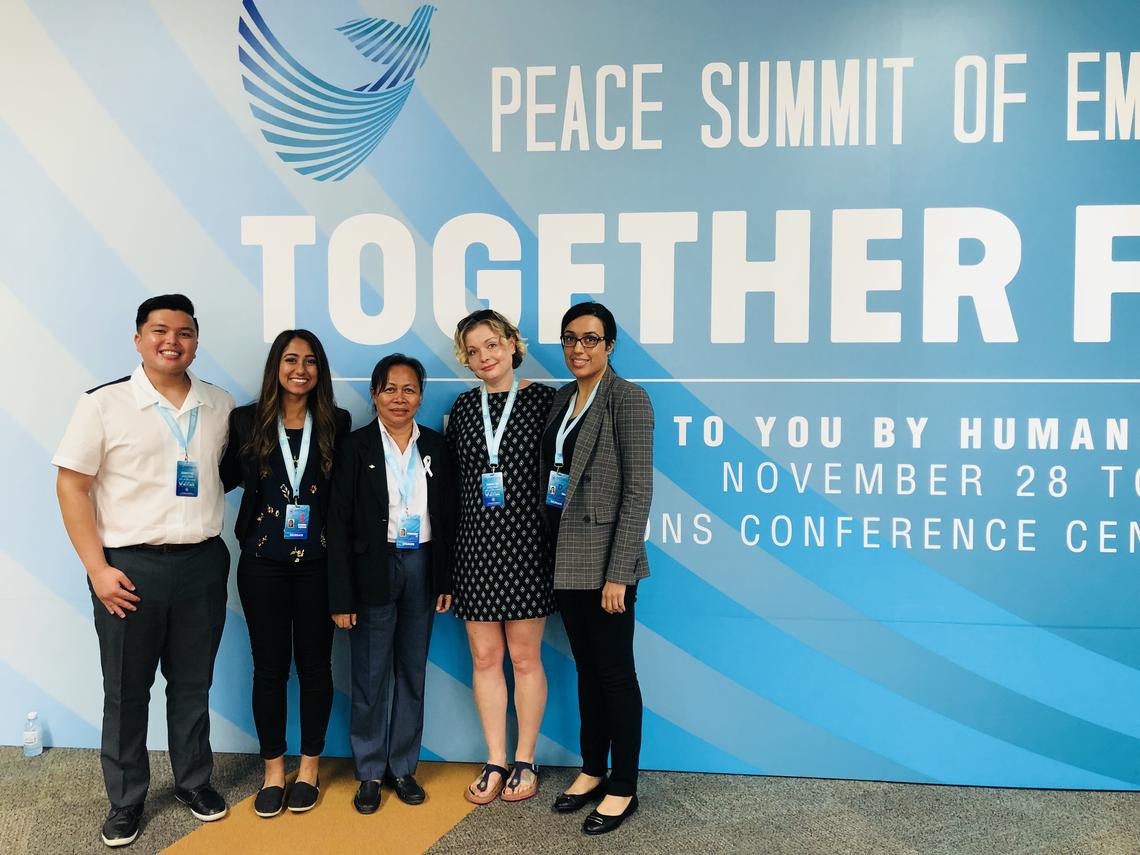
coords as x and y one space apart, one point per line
320 129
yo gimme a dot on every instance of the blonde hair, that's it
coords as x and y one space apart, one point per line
499 325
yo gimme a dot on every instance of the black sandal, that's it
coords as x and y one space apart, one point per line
486 793
517 769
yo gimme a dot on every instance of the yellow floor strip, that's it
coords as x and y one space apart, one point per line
335 826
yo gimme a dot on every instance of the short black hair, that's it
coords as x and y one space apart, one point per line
174 302
597 310
380 372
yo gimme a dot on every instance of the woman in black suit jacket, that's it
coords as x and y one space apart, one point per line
281 449
391 525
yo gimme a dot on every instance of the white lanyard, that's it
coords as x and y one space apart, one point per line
569 424
495 438
182 439
295 467
405 477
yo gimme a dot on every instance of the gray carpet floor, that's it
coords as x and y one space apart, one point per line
54 805
686 813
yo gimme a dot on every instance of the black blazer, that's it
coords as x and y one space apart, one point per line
357 526
240 469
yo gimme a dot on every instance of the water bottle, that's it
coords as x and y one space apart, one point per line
33 736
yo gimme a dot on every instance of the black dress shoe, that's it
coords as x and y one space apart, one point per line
303 796
204 802
407 789
269 801
367 798
600 823
568 803
121 826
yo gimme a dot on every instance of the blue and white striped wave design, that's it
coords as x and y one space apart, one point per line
887 664
320 129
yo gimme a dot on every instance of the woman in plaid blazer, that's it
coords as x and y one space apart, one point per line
596 475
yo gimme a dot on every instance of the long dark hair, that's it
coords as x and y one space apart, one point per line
263 442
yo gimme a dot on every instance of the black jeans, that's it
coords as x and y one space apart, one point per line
609 697
287 612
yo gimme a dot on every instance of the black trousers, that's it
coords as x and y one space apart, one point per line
609 697
178 627
287 611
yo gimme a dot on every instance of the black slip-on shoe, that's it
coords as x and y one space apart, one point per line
568 803
121 826
204 802
303 796
600 823
407 789
367 798
269 802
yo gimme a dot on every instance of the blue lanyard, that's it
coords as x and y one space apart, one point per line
568 424
295 468
495 438
182 439
405 480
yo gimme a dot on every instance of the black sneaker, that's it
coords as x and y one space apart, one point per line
204 802
122 825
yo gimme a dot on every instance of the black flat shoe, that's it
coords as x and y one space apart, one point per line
122 825
269 802
407 789
599 823
204 802
303 796
367 798
568 803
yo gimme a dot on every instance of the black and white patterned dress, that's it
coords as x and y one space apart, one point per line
502 568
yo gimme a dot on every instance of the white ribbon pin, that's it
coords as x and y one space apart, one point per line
427 466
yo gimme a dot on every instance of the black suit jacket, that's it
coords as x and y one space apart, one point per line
240 469
357 527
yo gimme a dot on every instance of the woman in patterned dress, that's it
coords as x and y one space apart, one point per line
281 450
503 573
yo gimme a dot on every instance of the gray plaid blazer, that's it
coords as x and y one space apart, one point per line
602 534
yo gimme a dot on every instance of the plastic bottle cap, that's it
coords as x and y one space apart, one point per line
33 715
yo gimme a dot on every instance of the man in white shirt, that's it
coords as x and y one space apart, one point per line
142 502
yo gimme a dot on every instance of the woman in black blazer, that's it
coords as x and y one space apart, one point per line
281 450
391 525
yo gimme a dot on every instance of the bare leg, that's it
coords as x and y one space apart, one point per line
490 686
524 639
310 769
274 772
583 784
614 805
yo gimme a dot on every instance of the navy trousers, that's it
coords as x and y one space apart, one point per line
390 644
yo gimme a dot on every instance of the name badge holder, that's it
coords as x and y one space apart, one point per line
407 524
493 490
186 470
559 481
296 515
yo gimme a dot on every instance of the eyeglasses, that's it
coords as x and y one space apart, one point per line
588 341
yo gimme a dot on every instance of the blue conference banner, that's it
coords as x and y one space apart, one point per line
876 264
